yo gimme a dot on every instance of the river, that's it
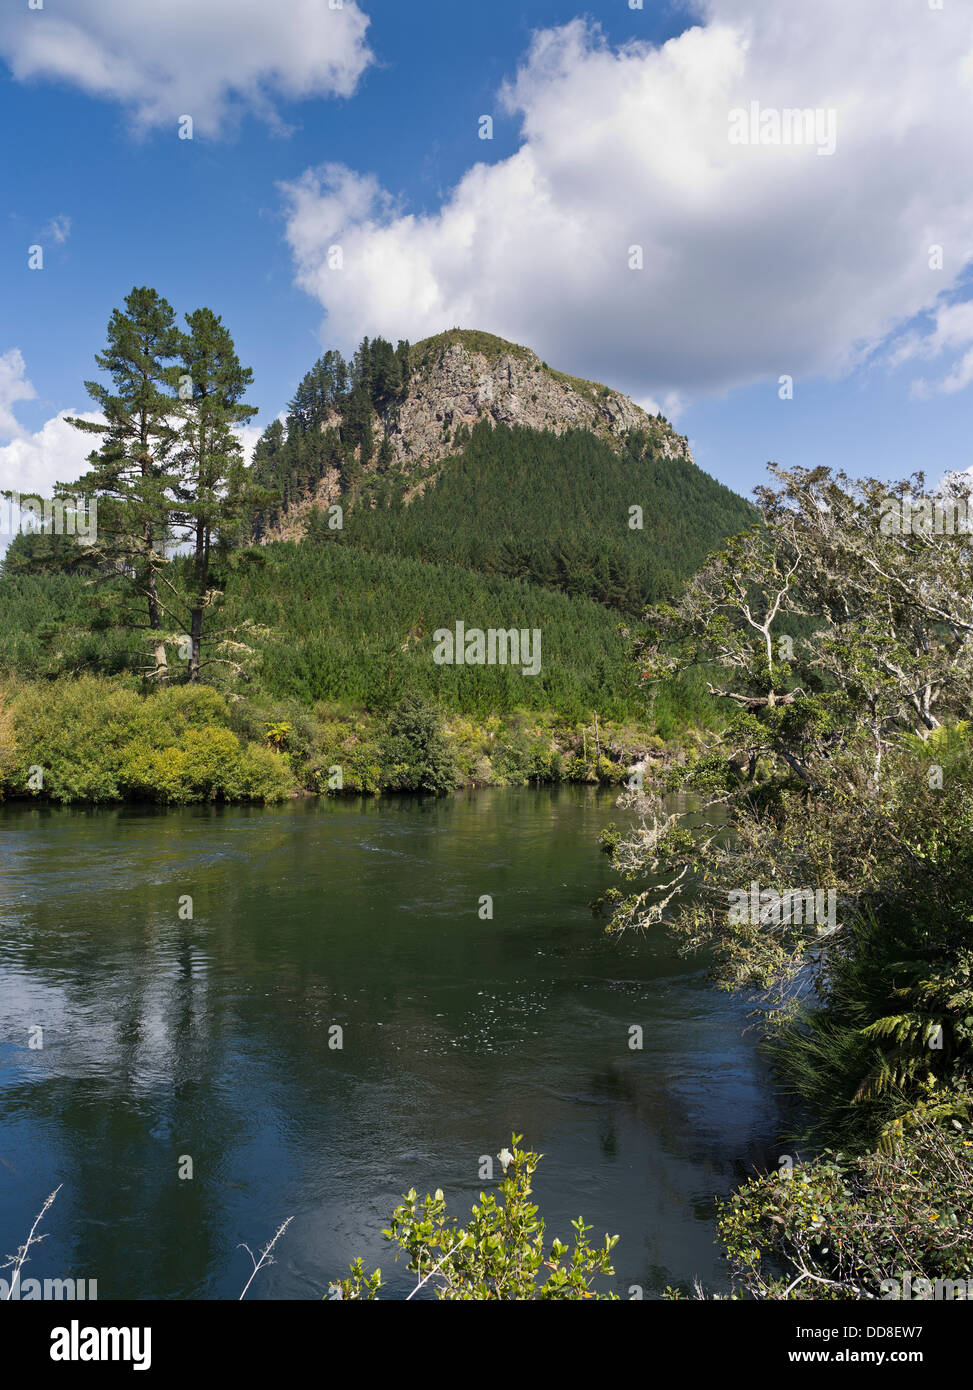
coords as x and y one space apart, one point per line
133 1039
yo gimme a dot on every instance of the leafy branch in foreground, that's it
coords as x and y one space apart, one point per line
887 1225
499 1254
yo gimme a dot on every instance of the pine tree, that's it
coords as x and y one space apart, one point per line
386 376
265 471
357 424
404 355
130 474
215 495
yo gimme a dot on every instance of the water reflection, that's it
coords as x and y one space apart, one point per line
166 1038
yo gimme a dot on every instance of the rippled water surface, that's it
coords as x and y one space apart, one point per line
210 1038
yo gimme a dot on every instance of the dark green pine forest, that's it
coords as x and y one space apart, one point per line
554 511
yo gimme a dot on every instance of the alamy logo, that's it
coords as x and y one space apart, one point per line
770 906
77 1343
76 516
495 647
54 1290
925 516
910 1288
769 125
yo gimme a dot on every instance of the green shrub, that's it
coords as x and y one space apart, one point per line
258 774
838 1229
416 754
500 1254
98 741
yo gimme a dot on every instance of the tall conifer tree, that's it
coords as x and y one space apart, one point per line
214 494
130 473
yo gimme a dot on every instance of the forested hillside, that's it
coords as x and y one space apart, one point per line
558 511
343 624
468 450
458 484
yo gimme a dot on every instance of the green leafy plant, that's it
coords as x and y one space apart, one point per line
500 1254
416 753
278 735
839 1228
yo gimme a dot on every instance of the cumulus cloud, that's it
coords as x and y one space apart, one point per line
181 57
14 387
757 259
950 334
33 463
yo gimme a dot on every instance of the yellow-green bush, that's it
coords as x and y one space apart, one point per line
97 741
8 741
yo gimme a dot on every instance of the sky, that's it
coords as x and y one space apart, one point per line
787 292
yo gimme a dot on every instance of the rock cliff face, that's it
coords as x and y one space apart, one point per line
292 524
464 376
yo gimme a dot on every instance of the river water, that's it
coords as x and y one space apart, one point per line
167 1040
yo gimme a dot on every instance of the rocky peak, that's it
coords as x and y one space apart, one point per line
463 376
458 379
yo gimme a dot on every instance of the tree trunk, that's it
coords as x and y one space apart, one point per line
195 637
200 580
155 626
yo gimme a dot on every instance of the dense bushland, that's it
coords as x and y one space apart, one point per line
845 765
94 740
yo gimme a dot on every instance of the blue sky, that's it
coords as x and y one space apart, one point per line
759 262
202 220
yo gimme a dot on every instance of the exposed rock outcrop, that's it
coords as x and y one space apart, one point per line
460 378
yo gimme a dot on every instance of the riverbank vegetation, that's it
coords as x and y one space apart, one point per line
90 739
845 767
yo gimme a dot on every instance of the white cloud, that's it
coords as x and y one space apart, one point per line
249 436
57 453
758 260
14 387
182 57
33 463
950 334
671 406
